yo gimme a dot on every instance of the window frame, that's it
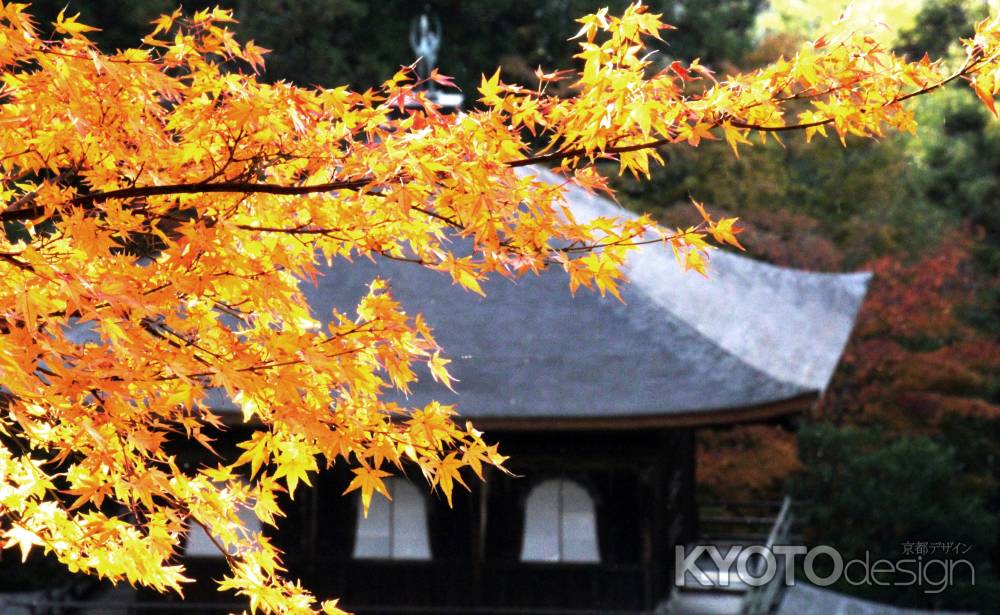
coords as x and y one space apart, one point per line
561 482
425 546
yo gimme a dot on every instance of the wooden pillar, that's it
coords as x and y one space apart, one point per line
647 488
310 525
689 494
478 514
661 472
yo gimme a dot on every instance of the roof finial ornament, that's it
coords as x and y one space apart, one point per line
425 39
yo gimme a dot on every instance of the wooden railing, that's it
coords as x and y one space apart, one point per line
763 599
396 587
492 585
737 521
49 607
66 607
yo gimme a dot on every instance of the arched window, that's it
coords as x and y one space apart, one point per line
560 524
394 529
200 545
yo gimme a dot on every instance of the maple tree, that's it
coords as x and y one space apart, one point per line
164 207
914 404
745 462
914 362
913 367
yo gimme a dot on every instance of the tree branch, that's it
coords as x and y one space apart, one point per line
19 212
133 192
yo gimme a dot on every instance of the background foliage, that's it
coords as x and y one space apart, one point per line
906 442
910 493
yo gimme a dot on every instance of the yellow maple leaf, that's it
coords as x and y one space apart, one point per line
369 481
69 25
23 538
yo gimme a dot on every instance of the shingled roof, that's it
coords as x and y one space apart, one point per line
753 340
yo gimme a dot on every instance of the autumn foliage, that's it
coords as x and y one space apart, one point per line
745 462
912 364
913 361
163 207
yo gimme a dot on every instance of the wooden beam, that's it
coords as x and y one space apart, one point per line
700 418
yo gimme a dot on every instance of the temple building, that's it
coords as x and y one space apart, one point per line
596 402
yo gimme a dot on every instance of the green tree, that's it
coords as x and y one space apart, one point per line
862 492
123 23
329 42
939 24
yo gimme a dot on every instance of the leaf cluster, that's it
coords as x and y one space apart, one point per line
242 191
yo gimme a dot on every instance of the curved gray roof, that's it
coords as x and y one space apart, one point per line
750 335
789 323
